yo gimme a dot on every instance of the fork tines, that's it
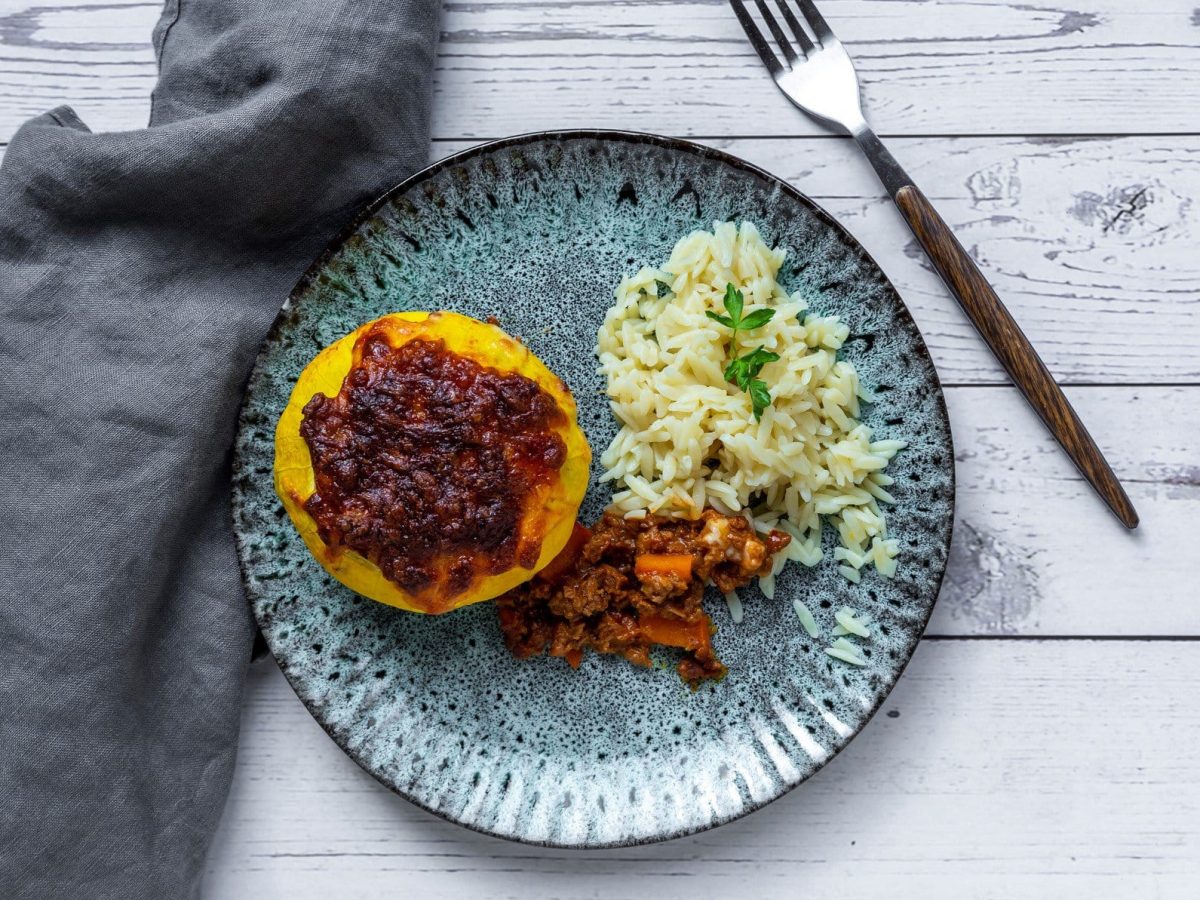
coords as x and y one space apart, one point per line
820 37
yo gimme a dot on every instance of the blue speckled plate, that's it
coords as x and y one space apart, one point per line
538 230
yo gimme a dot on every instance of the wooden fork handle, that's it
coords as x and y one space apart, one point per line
1011 347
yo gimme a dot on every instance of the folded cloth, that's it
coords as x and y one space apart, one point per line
139 272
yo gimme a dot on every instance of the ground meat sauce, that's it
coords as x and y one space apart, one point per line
424 462
633 583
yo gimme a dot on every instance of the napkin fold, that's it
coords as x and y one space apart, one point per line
139 272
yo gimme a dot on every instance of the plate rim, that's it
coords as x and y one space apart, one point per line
364 214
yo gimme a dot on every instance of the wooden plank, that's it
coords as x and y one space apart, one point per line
93 55
1000 769
1098 66
1091 243
1082 238
1036 553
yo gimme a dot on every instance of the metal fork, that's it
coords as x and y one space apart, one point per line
816 74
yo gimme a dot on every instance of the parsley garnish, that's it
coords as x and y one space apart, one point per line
743 370
760 397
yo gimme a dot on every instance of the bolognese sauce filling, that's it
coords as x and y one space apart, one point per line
425 461
629 584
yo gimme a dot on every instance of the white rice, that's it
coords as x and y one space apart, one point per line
804 614
848 656
845 646
734 602
850 624
689 439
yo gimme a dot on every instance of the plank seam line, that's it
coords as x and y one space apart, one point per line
896 136
1059 638
830 137
958 385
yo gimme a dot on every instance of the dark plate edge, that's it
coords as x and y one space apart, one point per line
633 137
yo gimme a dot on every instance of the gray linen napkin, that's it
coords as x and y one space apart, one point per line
138 273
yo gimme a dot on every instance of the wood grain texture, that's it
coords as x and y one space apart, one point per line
1003 769
94 55
1034 552
684 67
1015 353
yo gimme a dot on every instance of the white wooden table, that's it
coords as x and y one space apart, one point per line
1045 741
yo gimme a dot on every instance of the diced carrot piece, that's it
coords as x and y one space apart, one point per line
679 564
564 563
675 632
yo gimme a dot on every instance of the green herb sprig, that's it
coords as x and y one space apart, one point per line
743 370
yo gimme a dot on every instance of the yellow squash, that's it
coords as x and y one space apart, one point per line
550 512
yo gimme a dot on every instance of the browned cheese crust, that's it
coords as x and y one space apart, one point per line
424 460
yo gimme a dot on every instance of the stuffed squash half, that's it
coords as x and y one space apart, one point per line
430 461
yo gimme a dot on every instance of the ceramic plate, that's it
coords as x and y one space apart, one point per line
537 231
